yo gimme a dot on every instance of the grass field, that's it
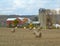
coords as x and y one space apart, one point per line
25 37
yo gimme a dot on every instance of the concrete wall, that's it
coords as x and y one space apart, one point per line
43 18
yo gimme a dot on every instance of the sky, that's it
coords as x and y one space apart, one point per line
26 7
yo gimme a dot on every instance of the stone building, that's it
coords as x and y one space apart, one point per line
46 17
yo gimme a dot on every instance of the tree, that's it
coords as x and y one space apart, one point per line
15 22
36 19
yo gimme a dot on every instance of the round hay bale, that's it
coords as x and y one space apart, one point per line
15 27
39 35
24 27
13 30
34 27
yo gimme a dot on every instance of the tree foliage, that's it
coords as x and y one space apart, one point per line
16 22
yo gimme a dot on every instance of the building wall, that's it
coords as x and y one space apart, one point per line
43 16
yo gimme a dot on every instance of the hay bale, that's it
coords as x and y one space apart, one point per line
37 33
24 27
34 27
13 30
15 27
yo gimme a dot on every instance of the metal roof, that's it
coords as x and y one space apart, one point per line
11 19
35 22
21 18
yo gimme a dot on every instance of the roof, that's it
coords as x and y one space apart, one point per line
35 22
21 18
10 19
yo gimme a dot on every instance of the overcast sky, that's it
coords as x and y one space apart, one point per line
25 7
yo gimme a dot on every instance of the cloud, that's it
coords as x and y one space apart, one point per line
18 3
26 6
26 3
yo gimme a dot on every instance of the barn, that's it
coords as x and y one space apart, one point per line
21 20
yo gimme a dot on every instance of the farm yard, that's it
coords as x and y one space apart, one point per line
25 37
